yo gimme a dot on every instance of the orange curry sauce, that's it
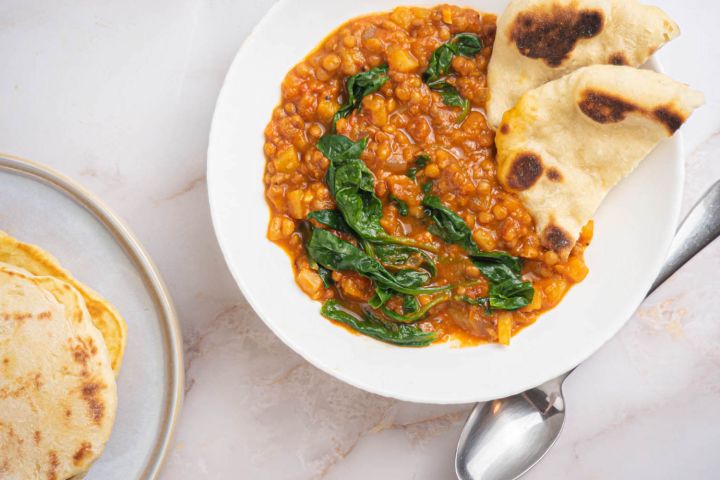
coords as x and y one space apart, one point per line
402 120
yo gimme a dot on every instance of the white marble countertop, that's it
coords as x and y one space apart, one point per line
119 95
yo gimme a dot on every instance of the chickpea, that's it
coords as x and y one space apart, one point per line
432 171
331 62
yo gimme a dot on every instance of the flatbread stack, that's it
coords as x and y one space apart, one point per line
577 117
542 40
57 380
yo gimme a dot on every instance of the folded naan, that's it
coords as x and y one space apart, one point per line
541 40
39 262
57 389
568 142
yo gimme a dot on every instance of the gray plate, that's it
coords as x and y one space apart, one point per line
42 207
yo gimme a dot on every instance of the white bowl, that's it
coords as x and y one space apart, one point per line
633 230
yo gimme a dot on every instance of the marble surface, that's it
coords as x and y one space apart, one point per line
119 95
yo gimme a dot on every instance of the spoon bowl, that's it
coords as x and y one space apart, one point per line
502 439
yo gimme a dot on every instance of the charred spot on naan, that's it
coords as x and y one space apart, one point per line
618 58
670 119
504 129
53 464
556 238
82 453
524 171
606 108
554 175
551 34
95 404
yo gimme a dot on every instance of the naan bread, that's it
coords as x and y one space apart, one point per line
569 141
541 40
57 388
38 262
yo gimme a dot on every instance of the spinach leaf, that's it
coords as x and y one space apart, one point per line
427 187
357 87
452 98
496 263
448 225
468 44
478 302
421 162
507 289
325 276
332 219
503 271
403 256
402 206
510 294
465 44
381 296
353 185
335 253
372 326
440 64
410 304
416 315
339 148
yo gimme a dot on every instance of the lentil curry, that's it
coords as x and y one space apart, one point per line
381 182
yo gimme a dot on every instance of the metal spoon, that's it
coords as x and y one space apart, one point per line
503 439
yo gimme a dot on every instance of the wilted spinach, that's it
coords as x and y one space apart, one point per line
448 225
452 98
410 304
421 162
397 256
465 44
371 325
334 253
401 205
353 185
418 314
440 64
325 274
503 271
357 87
330 218
507 289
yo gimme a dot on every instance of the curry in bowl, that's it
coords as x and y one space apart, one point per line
400 209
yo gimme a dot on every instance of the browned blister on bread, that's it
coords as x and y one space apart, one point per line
568 142
541 40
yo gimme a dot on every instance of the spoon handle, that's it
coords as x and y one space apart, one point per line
700 227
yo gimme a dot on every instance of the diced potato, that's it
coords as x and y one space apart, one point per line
536 303
504 328
375 104
295 205
403 16
275 229
447 16
402 60
287 160
554 291
288 227
310 282
577 270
